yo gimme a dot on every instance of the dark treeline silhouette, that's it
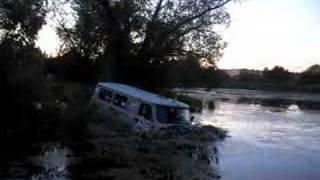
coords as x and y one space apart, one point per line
142 42
277 74
23 86
311 75
277 79
184 73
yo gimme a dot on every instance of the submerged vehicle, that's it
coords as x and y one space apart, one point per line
136 105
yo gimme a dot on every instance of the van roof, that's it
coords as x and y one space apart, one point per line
143 95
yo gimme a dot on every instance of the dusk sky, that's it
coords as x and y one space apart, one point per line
263 33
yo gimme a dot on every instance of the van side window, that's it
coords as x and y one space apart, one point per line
120 101
105 95
145 111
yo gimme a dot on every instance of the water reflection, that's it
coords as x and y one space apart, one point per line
54 161
293 108
281 100
267 142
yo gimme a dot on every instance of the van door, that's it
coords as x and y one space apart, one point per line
145 112
120 103
144 118
105 95
103 100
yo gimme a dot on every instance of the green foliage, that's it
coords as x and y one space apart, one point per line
311 75
251 76
276 79
125 35
196 105
72 67
74 123
189 72
277 74
26 97
21 20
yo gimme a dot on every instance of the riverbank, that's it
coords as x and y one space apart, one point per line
175 153
107 149
259 97
285 86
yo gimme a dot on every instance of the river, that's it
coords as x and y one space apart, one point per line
272 135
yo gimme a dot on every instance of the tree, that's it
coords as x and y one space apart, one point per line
311 75
22 83
277 74
249 75
21 20
131 32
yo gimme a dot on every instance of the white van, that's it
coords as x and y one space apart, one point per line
136 105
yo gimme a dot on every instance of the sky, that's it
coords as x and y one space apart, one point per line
265 33
262 33
48 40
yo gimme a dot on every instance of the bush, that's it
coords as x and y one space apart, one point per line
196 105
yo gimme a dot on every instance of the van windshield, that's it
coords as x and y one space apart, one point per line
172 115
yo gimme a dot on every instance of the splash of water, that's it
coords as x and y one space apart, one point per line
54 161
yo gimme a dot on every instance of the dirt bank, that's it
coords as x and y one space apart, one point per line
173 153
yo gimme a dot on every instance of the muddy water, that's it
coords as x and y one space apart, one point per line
268 141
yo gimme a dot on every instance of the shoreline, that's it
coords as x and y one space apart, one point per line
110 151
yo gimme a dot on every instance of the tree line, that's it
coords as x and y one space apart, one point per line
142 41
277 78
